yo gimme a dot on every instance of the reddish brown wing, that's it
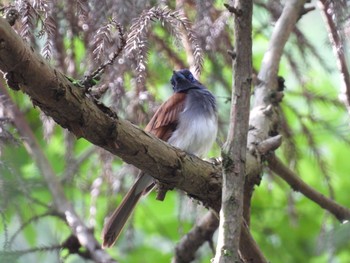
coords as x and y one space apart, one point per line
164 121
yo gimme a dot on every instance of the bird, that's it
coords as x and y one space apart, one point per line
187 120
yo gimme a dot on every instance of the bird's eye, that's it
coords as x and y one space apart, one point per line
190 78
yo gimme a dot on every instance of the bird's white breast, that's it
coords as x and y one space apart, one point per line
195 134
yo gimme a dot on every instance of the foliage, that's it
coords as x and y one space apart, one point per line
80 36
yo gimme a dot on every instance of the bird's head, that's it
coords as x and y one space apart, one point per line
183 80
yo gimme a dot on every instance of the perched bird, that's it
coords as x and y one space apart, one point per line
187 120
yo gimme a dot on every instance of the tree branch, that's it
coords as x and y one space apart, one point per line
264 118
338 47
270 64
234 150
185 250
71 108
340 212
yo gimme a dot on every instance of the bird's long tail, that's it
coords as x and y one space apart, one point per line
117 220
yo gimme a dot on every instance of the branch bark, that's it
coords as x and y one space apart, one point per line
234 150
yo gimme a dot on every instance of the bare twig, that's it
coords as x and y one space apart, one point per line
30 221
8 256
88 81
340 212
338 48
74 164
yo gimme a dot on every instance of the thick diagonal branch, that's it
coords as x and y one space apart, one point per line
71 108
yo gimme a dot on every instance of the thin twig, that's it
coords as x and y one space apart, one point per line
338 48
340 212
88 81
17 253
32 220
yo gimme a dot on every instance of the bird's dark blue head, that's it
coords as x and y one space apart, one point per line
183 80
